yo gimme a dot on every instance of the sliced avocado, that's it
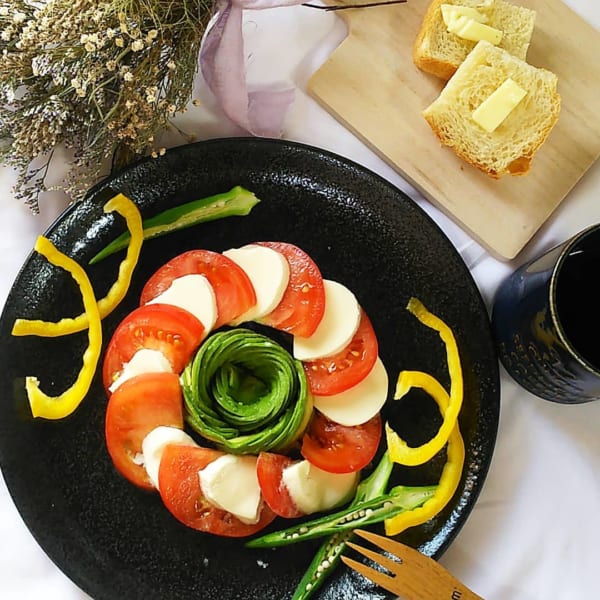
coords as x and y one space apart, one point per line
246 393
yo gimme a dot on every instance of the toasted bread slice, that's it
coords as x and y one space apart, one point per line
510 148
440 52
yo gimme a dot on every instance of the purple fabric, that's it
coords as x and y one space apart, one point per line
261 112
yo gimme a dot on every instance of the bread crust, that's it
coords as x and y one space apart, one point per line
422 59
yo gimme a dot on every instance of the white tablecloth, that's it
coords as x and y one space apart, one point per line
534 532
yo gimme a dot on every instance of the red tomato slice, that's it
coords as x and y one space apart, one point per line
233 289
338 448
269 470
181 493
138 406
337 373
171 330
303 303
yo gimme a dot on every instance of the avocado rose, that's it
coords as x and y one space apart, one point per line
246 393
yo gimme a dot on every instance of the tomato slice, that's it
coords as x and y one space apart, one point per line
233 289
303 303
269 470
171 330
337 373
181 493
339 448
139 405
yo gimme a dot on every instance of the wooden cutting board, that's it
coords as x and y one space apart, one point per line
371 85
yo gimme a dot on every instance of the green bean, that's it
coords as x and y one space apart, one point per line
236 202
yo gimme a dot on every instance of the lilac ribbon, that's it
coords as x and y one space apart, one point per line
259 112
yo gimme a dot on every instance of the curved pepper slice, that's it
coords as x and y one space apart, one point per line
125 207
401 452
451 472
57 407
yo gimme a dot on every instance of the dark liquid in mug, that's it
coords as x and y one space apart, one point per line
577 298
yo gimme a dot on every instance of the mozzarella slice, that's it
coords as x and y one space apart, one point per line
269 272
361 402
337 327
154 443
193 293
143 361
314 490
230 482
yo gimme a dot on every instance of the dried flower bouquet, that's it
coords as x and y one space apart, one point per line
100 78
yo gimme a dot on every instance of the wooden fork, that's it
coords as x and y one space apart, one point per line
414 577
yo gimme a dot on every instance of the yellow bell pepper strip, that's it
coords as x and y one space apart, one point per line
58 407
451 472
402 452
126 208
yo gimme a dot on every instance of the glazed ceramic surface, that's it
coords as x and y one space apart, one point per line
116 541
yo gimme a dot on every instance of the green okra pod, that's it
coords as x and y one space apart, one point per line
236 202
328 555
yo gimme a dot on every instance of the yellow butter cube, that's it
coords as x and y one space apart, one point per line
451 12
494 110
472 30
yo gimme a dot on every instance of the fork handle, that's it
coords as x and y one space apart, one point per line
461 592
442 585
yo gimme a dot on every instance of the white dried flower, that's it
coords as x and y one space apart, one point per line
137 45
119 42
19 17
128 77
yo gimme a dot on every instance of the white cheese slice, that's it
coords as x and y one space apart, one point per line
143 361
230 483
193 293
314 490
269 272
337 327
154 443
359 403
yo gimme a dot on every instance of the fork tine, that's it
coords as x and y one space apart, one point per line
385 581
384 561
402 551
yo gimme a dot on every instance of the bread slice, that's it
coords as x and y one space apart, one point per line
510 148
440 52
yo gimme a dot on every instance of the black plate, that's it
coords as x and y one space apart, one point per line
117 542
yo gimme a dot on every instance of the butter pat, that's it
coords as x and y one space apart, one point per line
494 110
450 12
470 29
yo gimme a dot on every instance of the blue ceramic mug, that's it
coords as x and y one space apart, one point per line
546 321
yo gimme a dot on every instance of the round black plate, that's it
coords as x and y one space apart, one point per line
116 541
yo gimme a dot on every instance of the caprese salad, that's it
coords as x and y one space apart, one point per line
231 428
